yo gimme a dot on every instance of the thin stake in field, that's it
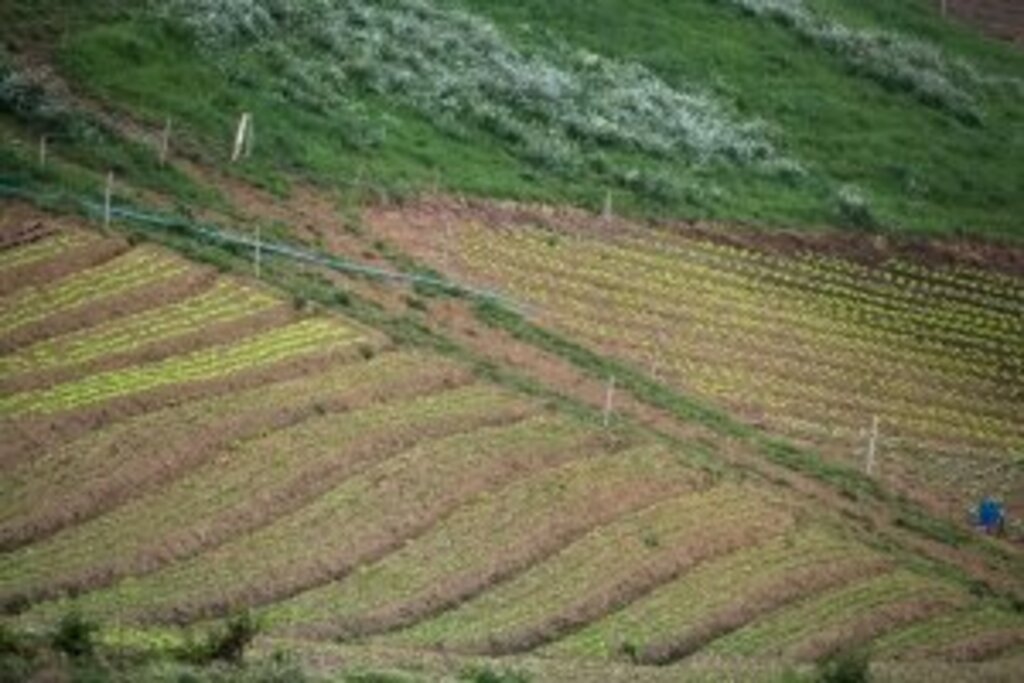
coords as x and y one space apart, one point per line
108 195
257 252
869 465
42 151
607 212
609 399
165 142
243 138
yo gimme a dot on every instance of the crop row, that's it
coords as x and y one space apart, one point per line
657 274
605 570
243 487
225 301
364 517
494 537
109 465
138 267
305 337
791 565
43 249
947 630
890 598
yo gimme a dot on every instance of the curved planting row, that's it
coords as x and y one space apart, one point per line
43 249
225 301
140 266
88 476
244 487
609 568
362 518
313 336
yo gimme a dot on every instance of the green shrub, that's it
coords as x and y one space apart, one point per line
74 636
846 667
485 674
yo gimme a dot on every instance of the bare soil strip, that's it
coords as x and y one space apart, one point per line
161 349
60 265
110 466
278 474
749 606
14 235
982 647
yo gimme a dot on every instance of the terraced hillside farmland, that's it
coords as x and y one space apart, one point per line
184 445
805 344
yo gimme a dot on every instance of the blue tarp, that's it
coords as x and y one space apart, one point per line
990 514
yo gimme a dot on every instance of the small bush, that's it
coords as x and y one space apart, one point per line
484 674
854 209
74 636
229 643
846 667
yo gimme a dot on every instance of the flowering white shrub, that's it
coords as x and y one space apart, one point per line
891 58
458 68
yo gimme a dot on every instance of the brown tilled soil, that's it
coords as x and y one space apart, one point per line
605 598
152 450
748 607
983 647
881 620
260 510
20 225
1003 19
143 298
161 349
63 264
425 219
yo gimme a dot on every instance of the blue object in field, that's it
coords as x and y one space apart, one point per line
990 514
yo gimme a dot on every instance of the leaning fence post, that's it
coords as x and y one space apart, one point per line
241 134
165 142
609 398
108 194
869 465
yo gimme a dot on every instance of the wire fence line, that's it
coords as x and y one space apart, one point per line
210 233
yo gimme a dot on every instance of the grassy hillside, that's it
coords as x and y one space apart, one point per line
804 112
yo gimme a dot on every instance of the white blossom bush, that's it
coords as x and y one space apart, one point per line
894 59
459 69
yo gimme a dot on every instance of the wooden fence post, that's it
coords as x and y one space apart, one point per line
241 135
609 398
42 151
108 195
869 465
165 142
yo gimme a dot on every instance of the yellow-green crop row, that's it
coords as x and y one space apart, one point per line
363 515
245 482
224 302
659 539
677 607
498 533
810 339
782 632
946 630
73 478
138 267
43 249
305 337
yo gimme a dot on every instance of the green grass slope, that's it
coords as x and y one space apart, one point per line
802 112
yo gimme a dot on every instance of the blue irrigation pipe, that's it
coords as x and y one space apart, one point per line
298 254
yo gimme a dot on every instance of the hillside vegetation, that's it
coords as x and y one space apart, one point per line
794 112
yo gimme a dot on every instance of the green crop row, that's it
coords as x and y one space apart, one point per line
296 339
359 517
246 482
226 301
675 608
43 249
501 533
948 629
136 268
780 633
651 545
75 478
